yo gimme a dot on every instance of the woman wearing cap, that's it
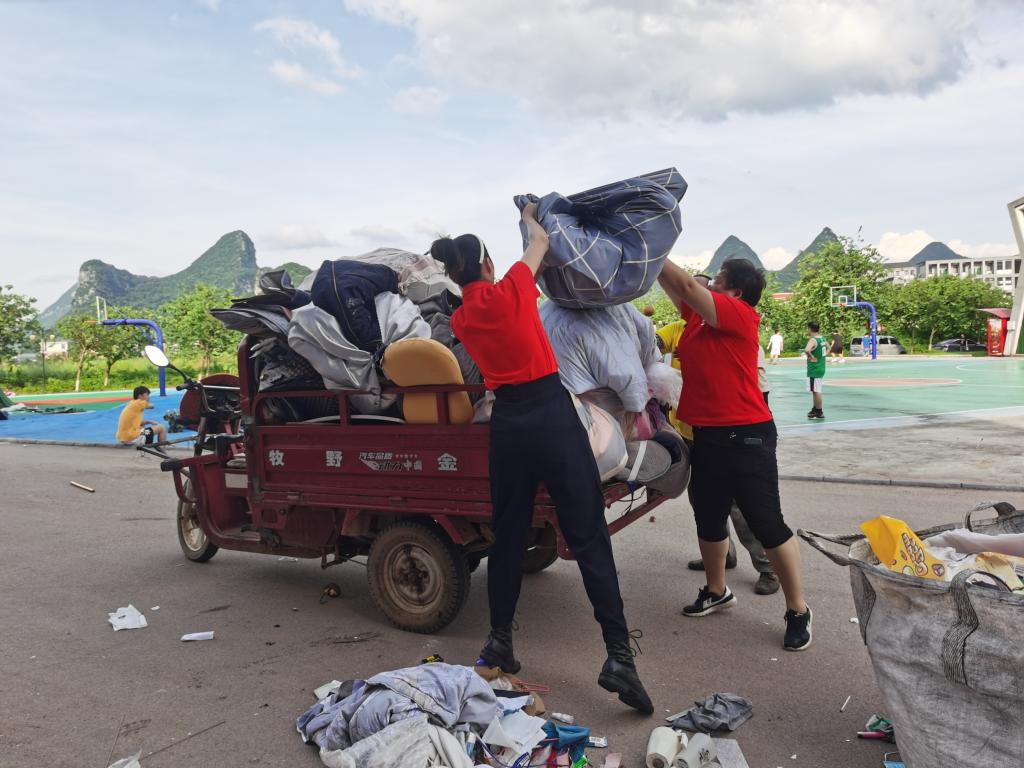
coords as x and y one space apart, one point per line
536 437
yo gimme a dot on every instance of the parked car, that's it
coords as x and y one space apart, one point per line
960 345
887 345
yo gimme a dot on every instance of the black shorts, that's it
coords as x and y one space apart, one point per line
737 463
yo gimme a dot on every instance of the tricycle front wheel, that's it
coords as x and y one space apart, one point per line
194 542
417 576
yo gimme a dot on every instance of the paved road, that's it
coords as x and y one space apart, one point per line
69 557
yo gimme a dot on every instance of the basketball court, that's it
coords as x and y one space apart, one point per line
898 391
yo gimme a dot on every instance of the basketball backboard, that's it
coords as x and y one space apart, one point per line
842 295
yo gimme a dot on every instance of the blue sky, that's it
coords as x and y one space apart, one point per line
138 133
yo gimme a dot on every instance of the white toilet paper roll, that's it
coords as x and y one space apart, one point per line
698 753
662 747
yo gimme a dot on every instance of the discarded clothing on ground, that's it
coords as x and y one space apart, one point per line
607 245
606 348
453 697
347 290
316 335
719 711
411 742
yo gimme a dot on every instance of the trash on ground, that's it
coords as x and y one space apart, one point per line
662 747
878 728
614 760
843 708
892 760
729 753
287 559
437 714
700 752
329 590
128 762
598 742
155 608
434 658
563 718
855 620
84 488
193 636
718 711
127 617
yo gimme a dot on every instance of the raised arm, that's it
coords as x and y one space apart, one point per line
684 288
537 246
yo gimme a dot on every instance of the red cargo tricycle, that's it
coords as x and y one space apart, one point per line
268 477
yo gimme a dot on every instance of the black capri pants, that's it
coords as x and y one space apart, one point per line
737 463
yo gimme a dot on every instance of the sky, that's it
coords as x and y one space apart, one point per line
139 133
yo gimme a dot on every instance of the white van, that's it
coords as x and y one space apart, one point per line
887 345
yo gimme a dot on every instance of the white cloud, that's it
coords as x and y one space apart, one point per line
705 60
895 246
295 237
305 37
776 258
380 235
211 5
419 100
983 250
297 76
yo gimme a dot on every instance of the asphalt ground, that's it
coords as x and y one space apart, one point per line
71 685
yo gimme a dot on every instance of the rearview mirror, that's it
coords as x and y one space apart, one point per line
156 356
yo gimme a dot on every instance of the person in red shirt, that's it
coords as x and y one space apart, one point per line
536 437
734 435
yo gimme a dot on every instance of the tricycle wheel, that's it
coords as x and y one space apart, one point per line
417 576
194 542
543 552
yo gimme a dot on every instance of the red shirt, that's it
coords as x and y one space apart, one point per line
719 367
500 328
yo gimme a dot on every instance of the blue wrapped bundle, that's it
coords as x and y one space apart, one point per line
607 245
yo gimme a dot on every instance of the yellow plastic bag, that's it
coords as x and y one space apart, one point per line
899 549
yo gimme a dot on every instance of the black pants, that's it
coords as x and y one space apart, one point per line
737 463
537 437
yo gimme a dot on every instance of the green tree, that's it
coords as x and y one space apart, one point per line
848 262
945 307
85 339
17 322
119 342
187 323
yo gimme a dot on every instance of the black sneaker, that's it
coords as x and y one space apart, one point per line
708 602
497 651
812 413
816 415
619 675
798 631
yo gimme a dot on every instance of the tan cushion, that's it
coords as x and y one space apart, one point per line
425 362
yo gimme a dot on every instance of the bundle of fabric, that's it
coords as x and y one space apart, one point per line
607 245
405 717
606 348
316 335
347 290
419 276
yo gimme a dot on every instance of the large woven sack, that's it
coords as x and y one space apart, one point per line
949 656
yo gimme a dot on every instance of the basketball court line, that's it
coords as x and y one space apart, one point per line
909 420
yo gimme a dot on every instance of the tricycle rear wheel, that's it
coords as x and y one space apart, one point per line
543 552
417 576
193 540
